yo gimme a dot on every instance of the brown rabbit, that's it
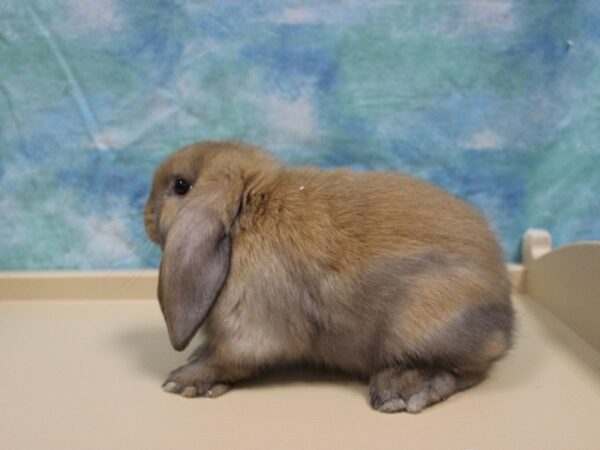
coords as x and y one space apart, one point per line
375 274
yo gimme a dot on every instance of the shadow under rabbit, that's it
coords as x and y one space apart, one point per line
298 375
149 349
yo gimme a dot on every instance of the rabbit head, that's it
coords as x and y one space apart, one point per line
195 197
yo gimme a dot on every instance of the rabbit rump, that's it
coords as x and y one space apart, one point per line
377 274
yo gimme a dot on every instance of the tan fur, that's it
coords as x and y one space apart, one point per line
494 346
360 272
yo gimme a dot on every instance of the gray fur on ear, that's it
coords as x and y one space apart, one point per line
193 269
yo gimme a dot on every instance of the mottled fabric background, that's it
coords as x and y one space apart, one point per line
497 101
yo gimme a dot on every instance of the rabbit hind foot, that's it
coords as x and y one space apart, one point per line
412 390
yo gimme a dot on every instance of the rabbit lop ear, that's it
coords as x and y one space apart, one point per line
193 269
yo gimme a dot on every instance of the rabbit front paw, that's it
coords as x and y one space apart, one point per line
194 380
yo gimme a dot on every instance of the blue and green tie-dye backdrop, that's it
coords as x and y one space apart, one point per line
498 101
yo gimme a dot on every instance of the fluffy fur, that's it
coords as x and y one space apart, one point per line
375 274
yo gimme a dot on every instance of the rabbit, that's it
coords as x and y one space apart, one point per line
377 275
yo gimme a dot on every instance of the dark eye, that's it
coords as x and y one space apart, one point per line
181 186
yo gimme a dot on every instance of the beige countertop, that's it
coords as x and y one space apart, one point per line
87 375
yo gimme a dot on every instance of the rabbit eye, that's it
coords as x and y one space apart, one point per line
181 186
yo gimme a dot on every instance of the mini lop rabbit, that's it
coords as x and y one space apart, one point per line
378 275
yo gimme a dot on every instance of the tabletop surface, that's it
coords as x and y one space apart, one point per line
87 375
